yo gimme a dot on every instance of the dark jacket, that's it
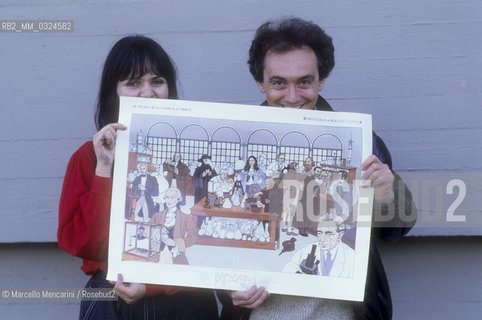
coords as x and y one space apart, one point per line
152 190
378 302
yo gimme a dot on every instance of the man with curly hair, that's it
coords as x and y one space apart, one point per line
290 59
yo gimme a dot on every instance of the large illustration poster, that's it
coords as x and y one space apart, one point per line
226 196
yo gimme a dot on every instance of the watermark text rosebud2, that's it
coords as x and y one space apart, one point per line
431 202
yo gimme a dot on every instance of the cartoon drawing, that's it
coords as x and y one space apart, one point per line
292 185
329 256
288 245
201 177
275 194
238 190
143 241
144 187
237 194
314 196
252 175
276 167
177 174
163 186
178 229
308 165
223 188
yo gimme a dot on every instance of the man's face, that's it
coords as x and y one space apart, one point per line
171 199
281 159
291 79
317 173
143 169
177 157
223 175
269 183
328 237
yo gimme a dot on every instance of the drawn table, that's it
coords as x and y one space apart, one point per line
237 212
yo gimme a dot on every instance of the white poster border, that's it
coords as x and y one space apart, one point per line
220 277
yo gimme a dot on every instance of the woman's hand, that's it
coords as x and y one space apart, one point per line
129 292
251 298
104 146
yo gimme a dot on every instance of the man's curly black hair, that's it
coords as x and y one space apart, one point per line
289 34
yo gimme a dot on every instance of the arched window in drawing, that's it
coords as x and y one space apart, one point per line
161 139
296 146
328 149
225 145
193 143
262 144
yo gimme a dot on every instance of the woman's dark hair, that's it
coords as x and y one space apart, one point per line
131 58
289 34
255 166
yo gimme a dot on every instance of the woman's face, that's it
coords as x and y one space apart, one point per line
148 86
251 161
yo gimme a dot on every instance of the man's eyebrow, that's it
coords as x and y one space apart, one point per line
308 77
276 78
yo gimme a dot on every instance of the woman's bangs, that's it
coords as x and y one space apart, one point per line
137 64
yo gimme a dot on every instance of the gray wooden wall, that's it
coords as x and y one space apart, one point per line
415 65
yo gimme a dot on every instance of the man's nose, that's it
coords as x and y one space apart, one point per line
291 94
146 91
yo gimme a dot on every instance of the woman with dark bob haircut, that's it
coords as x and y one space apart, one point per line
131 58
137 67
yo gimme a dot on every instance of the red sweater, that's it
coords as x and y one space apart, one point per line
84 215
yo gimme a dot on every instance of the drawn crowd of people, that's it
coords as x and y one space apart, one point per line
280 187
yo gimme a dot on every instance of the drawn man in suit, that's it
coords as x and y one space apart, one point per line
276 167
313 199
177 173
145 187
331 258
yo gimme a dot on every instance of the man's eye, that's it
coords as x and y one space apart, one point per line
277 84
304 83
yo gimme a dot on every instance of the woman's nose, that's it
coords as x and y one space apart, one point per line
146 91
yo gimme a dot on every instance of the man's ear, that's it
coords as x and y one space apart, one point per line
261 87
322 85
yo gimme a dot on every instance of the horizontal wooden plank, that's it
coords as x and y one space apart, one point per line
36 158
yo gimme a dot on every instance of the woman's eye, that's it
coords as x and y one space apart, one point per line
159 82
132 83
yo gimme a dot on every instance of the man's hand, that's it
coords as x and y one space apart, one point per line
380 176
251 298
129 292
104 146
